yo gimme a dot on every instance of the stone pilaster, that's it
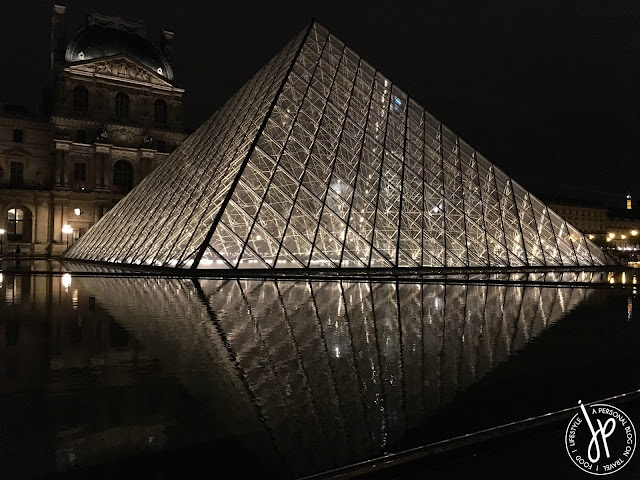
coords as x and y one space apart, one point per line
62 164
103 154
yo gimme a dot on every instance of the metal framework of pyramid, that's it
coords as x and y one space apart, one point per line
319 161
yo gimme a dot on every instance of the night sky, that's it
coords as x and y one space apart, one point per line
548 93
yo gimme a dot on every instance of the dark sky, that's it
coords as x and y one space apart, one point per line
546 90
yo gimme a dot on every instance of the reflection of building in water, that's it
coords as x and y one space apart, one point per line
358 365
69 375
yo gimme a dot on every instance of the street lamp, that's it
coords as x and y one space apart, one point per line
67 230
1 239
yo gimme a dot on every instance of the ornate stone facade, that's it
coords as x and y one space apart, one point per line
111 120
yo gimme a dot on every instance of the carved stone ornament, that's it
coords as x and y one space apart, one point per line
122 136
121 68
103 136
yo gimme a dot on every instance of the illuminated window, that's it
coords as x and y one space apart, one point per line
160 111
122 105
80 99
15 221
122 176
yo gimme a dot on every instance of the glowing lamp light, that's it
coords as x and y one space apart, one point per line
612 235
67 230
77 212
1 231
591 237
66 280
634 232
623 236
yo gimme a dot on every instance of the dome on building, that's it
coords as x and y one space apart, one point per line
96 41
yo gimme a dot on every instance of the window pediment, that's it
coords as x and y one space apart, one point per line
16 153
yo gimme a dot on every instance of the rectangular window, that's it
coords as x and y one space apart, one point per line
18 135
17 172
79 176
15 220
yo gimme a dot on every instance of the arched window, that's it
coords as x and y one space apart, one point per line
19 225
81 99
122 176
122 105
160 111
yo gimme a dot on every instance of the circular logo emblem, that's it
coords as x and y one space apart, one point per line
600 439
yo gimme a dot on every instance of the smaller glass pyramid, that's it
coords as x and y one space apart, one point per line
319 161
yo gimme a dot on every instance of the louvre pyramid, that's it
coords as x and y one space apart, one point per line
319 161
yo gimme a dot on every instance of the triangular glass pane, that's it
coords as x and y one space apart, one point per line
286 260
209 260
251 260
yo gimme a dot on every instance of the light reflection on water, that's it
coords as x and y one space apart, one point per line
318 373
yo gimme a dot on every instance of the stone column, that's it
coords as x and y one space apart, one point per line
62 164
56 221
102 159
68 170
145 163
99 171
34 227
106 171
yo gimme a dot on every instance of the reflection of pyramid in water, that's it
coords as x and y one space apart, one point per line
320 161
335 371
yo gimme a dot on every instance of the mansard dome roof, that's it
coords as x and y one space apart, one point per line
96 41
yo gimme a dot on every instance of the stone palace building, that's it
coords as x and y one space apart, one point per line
113 113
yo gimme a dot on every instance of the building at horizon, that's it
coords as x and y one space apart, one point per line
113 114
617 228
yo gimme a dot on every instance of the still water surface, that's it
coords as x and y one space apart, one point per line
298 376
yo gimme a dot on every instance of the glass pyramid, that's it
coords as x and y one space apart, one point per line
319 161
